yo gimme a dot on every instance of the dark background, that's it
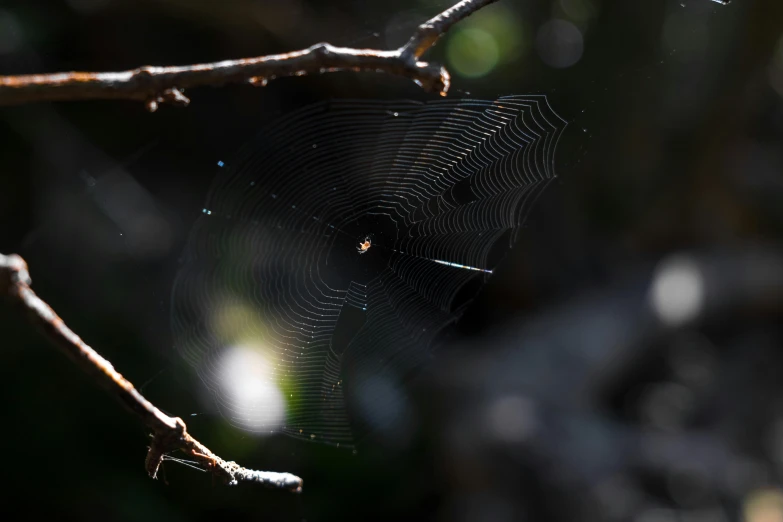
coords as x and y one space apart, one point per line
569 395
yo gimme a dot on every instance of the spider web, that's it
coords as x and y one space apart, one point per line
273 269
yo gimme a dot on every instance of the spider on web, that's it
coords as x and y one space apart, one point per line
365 245
291 330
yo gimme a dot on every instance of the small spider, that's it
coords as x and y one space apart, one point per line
364 246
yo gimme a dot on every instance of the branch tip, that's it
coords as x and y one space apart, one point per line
155 86
13 272
168 433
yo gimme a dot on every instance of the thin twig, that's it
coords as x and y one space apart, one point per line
156 85
168 433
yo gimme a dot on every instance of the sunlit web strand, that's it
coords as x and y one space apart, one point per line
456 265
285 321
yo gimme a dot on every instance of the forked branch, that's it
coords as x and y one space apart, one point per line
156 85
168 433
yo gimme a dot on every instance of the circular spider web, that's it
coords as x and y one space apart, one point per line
333 252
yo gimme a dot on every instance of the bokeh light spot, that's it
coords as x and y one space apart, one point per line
487 39
472 52
512 418
764 506
559 43
677 293
246 376
386 407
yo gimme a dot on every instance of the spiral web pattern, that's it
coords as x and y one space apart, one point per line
275 263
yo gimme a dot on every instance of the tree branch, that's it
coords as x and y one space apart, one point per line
168 433
156 85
